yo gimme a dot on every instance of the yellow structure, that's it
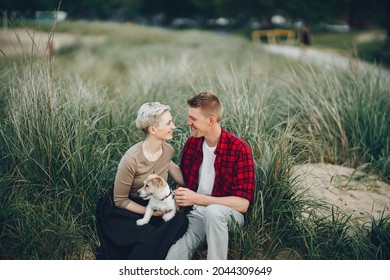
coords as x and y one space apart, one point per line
274 36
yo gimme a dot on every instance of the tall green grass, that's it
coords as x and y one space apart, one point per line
345 114
67 120
56 155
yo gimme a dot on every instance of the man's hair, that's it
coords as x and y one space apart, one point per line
209 103
149 115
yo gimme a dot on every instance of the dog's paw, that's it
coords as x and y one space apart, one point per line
141 222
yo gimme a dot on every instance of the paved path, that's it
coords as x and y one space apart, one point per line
326 58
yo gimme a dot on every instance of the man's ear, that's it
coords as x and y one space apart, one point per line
212 120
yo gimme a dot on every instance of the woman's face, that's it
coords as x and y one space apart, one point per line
165 128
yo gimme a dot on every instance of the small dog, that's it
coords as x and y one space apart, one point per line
160 196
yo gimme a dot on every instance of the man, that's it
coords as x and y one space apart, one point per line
218 172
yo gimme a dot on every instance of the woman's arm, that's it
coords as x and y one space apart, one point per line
135 207
139 209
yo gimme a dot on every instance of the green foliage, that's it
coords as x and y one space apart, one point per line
378 236
358 11
344 114
68 119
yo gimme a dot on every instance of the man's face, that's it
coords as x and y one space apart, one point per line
199 123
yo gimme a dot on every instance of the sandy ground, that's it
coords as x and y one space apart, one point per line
357 194
17 41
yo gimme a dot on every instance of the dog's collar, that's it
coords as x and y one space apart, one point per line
170 193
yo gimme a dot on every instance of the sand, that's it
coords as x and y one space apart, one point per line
353 192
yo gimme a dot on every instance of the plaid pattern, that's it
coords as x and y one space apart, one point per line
234 166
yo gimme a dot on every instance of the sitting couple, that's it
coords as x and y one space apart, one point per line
216 172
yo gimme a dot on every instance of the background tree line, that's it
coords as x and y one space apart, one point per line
359 14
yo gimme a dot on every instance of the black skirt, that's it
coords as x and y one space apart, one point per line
121 238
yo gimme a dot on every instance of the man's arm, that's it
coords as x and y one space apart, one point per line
187 197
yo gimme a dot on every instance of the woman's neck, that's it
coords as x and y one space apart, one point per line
152 148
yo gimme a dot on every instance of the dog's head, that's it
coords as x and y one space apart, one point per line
153 185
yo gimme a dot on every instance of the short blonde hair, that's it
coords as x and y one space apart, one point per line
209 103
149 115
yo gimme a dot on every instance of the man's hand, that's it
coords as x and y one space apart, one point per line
185 197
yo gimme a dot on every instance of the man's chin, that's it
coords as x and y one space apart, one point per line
195 133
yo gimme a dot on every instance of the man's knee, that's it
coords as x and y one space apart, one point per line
217 214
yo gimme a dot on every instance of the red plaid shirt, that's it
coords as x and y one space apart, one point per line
234 166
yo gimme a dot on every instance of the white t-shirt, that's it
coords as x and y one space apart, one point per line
206 175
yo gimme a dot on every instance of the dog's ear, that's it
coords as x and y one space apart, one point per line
154 181
160 182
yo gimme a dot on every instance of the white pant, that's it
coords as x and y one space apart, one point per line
212 227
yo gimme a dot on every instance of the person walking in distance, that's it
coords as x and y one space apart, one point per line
304 37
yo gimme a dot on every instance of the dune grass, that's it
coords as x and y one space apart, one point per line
66 121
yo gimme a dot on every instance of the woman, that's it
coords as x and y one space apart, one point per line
118 211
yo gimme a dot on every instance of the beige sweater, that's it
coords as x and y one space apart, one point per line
134 168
